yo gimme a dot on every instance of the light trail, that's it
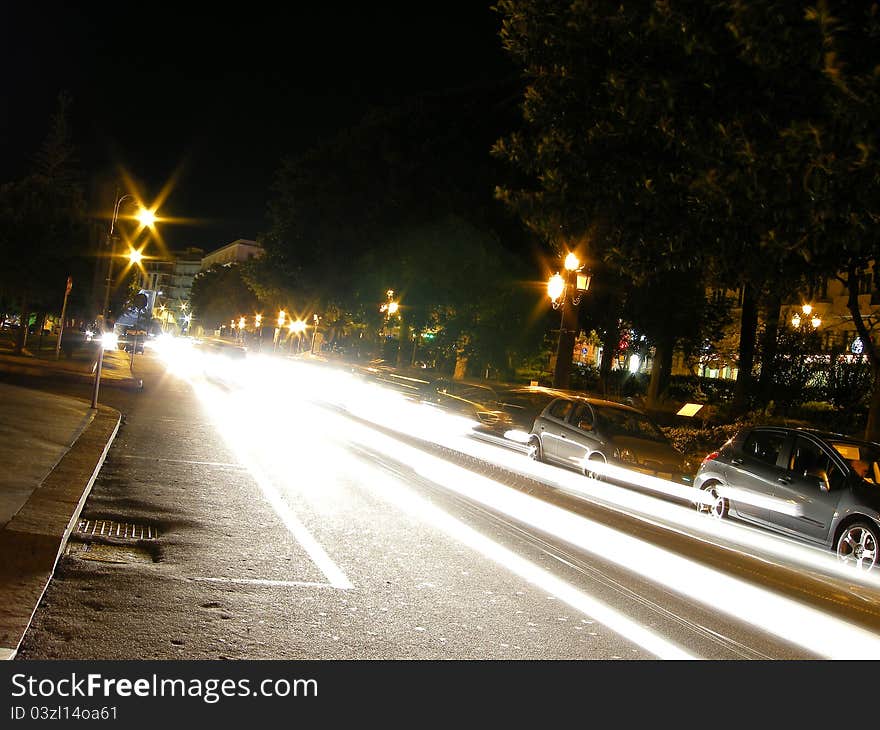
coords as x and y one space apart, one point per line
809 628
237 427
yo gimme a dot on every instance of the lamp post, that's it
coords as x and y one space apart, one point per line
807 309
390 307
565 293
147 218
281 317
296 327
316 319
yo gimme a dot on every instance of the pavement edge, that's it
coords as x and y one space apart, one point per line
34 539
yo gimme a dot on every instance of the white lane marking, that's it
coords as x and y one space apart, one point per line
233 432
6 653
264 582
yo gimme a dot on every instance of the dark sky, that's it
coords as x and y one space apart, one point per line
217 94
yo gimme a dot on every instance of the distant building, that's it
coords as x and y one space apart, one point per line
171 281
238 251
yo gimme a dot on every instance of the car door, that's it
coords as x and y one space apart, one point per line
812 506
577 438
550 427
753 471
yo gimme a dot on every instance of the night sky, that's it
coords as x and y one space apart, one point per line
217 95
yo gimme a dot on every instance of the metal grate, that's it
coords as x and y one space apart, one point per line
118 530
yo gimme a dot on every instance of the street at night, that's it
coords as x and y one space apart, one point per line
481 356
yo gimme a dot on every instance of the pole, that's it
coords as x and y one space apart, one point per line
111 244
63 314
98 366
567 332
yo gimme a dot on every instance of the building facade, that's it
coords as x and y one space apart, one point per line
238 251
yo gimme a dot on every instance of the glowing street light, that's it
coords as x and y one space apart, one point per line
807 310
280 324
390 307
316 320
565 293
296 327
555 289
147 218
111 245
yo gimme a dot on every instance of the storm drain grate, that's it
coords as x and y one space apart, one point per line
118 530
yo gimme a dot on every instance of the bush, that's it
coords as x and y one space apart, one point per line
695 441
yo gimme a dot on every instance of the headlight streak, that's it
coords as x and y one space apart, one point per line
799 624
796 623
686 520
236 423
617 622
238 428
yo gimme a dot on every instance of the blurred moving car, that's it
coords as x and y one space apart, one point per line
132 338
818 487
472 400
523 404
578 431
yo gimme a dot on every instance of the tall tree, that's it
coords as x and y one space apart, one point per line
220 295
42 231
615 130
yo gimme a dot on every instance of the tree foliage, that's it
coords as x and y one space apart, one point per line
221 294
42 231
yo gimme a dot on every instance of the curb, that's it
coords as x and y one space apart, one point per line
34 539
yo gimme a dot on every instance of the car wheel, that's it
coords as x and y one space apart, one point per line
857 545
535 453
594 474
716 506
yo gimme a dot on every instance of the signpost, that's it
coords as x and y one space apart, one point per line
63 315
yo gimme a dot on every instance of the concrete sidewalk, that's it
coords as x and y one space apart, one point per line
51 449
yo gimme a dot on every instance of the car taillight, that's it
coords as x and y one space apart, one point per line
710 457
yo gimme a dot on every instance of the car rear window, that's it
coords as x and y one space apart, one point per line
560 409
764 446
624 422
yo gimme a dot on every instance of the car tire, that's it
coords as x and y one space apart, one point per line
592 474
857 545
535 452
719 506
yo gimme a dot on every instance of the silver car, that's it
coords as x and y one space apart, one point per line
579 431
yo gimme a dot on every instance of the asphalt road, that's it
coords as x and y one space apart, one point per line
302 514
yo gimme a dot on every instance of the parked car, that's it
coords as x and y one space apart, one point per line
579 431
818 487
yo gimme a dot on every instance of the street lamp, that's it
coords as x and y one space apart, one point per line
807 310
146 218
297 327
565 293
281 317
316 319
